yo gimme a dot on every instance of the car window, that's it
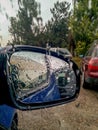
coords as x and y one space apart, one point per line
64 51
95 52
90 51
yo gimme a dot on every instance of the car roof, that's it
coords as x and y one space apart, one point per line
64 50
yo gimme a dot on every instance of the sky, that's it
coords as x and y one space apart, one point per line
6 6
46 5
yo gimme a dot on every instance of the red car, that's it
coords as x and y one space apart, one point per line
90 67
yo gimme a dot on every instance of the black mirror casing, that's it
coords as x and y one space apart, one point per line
12 96
5 97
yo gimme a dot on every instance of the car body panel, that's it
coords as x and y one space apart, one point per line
53 93
7 113
90 77
6 116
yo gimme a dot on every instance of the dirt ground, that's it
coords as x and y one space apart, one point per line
81 114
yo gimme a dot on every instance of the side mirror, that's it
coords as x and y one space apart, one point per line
38 79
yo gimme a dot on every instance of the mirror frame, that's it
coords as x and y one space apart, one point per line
32 106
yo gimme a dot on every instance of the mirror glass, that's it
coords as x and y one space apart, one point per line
38 77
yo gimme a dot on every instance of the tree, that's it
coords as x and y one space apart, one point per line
83 22
26 25
57 27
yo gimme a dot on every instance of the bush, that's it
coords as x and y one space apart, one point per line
81 48
78 61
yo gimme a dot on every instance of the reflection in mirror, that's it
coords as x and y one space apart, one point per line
40 78
66 81
28 71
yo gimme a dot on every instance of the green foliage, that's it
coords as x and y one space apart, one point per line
84 22
78 29
27 27
81 48
78 61
57 27
26 24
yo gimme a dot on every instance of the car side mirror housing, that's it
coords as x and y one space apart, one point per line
38 78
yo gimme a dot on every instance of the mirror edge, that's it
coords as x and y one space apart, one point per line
33 106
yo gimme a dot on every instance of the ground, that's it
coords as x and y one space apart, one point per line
81 114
